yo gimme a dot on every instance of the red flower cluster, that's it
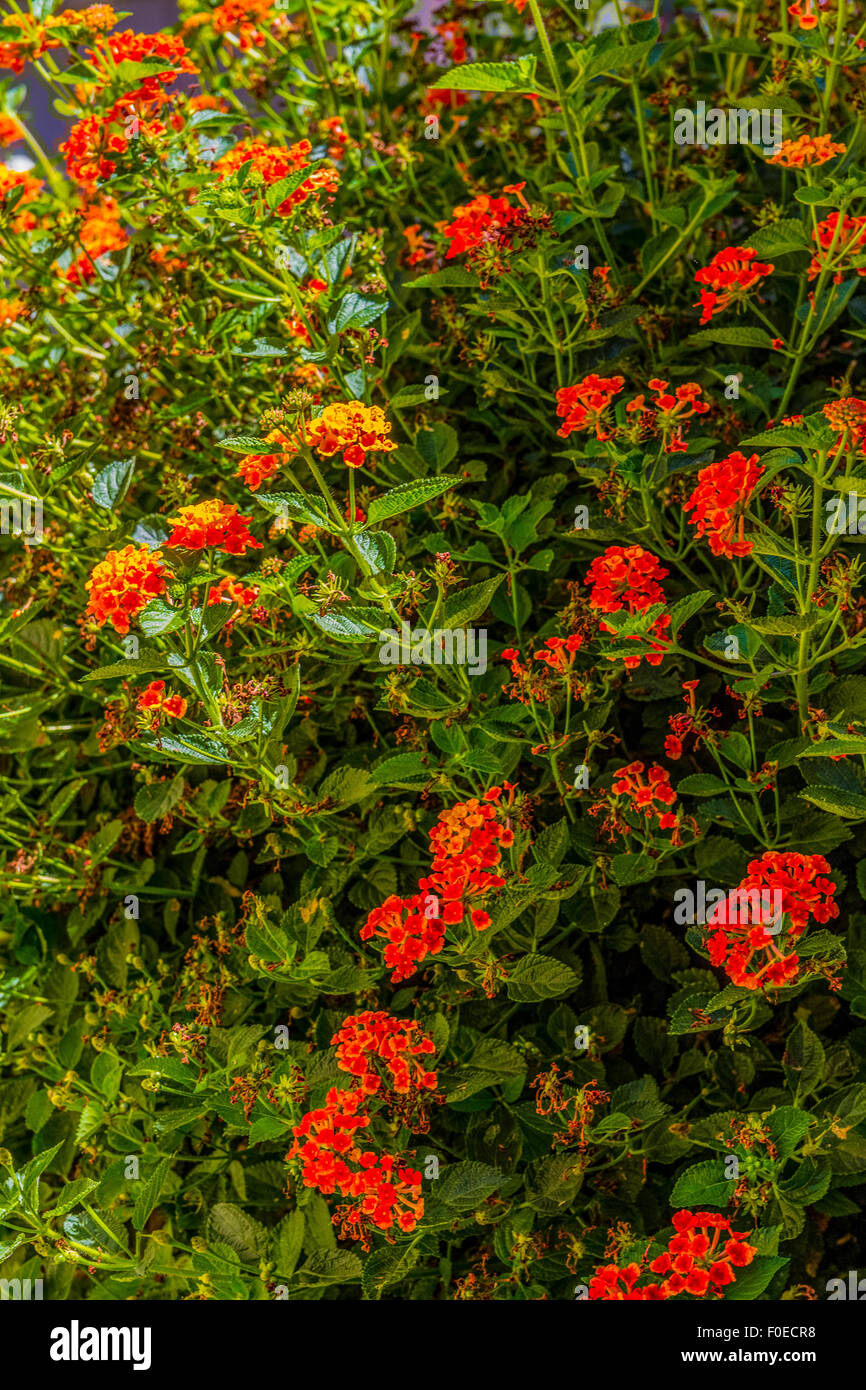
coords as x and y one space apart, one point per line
153 698
730 276
488 229
669 412
582 406
694 1263
719 500
382 1192
776 899
212 523
364 1040
465 844
628 577
482 220
694 723
557 655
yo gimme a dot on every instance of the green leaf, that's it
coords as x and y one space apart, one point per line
687 607
143 664
186 748
332 1267
159 617
386 1267
288 1238
803 1060
356 311
735 336
851 805
230 1225
452 277
465 1185
249 444
517 76
150 1194
155 801
703 1184
408 496
537 977
701 784
751 1282
112 483
466 605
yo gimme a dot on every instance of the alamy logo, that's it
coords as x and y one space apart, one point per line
76 1343
737 126
18 520
854 1289
846 517
444 646
20 1289
729 908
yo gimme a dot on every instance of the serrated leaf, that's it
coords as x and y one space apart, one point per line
407 496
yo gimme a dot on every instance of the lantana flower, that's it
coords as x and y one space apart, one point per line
729 278
719 500
582 406
212 523
752 936
122 584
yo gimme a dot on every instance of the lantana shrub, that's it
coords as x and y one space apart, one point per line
433 725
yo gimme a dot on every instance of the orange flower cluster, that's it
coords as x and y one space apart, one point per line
230 590
752 931
347 427
366 1043
478 222
11 310
693 1263
275 162
22 221
32 44
628 577
582 406
215 524
643 795
838 239
807 151
242 17
719 500
113 49
669 412
122 584
352 429
99 233
847 417
91 145
557 655
730 276
381 1191
95 18
153 698
466 845
10 130
808 13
